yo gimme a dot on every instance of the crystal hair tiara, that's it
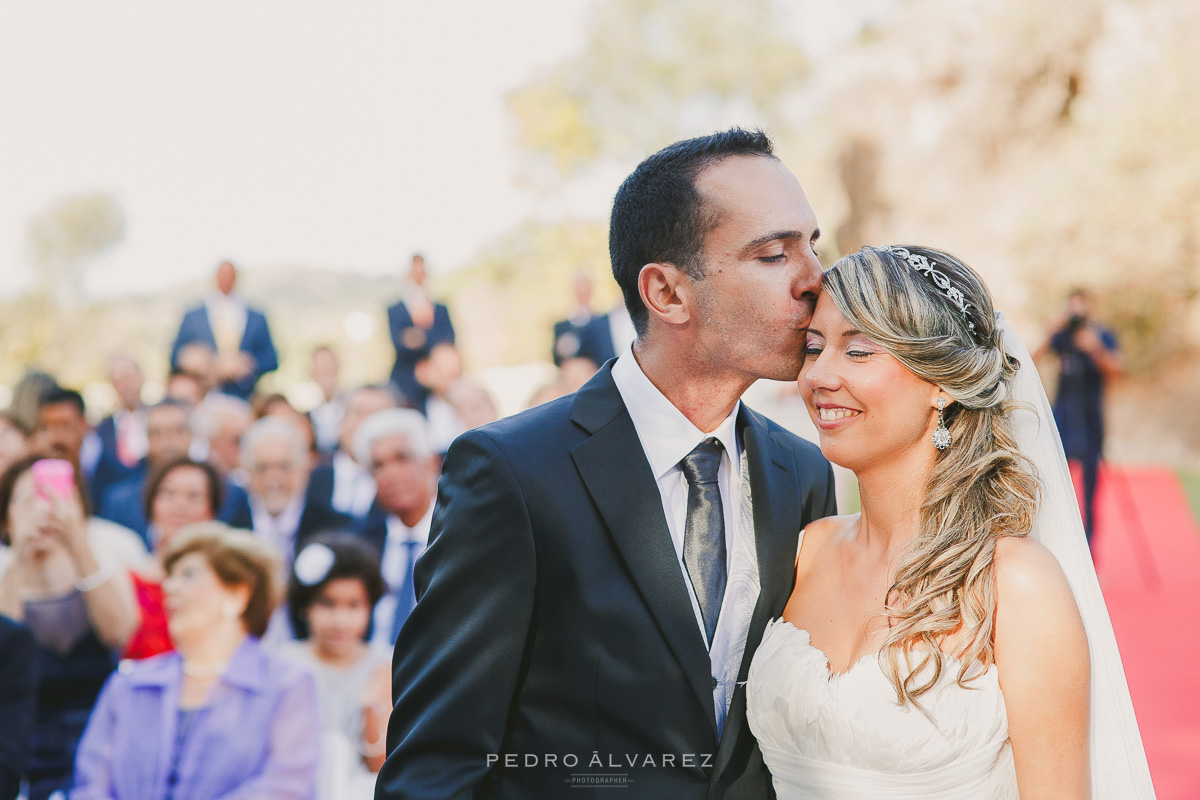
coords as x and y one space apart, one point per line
923 265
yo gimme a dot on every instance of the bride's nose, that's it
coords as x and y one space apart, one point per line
818 374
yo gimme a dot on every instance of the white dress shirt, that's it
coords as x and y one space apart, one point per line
667 436
353 486
227 320
280 530
131 440
326 419
394 566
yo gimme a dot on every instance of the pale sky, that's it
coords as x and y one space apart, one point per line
340 135
283 132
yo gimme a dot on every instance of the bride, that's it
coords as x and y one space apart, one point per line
950 641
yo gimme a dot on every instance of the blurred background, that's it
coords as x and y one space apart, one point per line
1052 146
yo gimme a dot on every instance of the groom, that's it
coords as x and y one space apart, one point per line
601 568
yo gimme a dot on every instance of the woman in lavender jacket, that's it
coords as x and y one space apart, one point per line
220 718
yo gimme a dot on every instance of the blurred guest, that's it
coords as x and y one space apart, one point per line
416 324
27 397
619 327
184 388
1088 361
122 434
169 436
219 422
277 405
61 580
62 426
237 334
582 335
333 586
395 444
14 440
63 432
18 703
544 394
572 375
472 403
220 717
345 485
181 492
327 416
437 372
275 456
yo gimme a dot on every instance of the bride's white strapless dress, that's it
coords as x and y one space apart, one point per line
827 736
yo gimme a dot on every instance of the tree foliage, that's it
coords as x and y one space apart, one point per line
653 71
68 235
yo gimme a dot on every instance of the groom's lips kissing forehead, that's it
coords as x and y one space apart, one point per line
831 416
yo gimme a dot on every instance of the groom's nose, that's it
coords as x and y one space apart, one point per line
807 284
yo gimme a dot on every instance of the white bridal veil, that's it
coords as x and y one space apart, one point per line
1119 770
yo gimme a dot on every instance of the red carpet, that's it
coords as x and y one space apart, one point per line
1147 554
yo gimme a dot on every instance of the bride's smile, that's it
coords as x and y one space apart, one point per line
865 403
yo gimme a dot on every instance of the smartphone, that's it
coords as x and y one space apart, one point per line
53 476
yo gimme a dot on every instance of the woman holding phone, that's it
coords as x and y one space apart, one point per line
77 601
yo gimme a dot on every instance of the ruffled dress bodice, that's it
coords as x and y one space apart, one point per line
828 736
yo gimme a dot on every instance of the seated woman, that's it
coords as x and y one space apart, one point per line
334 586
219 717
64 583
181 492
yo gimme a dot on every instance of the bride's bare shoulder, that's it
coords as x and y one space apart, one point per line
827 527
820 533
1026 569
1033 596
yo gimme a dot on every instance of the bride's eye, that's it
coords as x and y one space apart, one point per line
812 351
858 353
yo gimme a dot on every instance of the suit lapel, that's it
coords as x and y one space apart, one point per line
776 498
618 478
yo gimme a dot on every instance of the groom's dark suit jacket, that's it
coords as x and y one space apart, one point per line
553 618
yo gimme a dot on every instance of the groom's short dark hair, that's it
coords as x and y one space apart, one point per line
658 216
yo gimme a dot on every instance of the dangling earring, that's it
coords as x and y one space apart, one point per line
941 435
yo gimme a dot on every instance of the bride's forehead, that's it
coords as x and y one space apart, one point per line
827 318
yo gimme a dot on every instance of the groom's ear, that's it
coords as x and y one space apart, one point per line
666 292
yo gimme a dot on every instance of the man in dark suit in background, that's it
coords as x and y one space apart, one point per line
395 445
168 435
416 324
18 696
122 434
601 568
583 334
344 485
237 334
277 461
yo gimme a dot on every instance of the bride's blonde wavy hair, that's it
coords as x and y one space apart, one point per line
981 487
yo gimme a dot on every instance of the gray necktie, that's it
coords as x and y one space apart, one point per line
704 533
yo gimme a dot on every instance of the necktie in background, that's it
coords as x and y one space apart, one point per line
406 595
704 532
